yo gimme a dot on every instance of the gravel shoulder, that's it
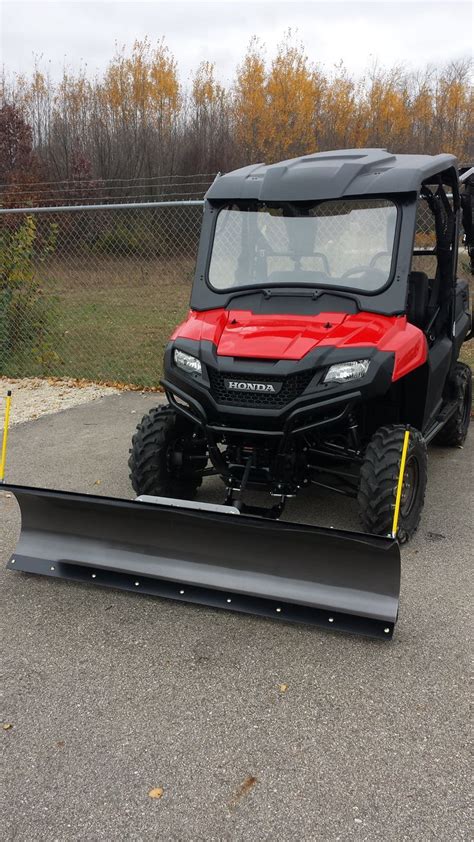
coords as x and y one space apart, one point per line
33 397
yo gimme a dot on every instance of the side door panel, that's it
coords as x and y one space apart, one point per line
439 362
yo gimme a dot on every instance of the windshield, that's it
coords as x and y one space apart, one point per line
346 243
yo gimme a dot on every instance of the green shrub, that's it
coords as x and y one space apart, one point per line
126 239
27 324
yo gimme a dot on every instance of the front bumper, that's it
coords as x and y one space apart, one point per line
318 404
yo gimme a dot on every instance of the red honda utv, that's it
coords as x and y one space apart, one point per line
315 338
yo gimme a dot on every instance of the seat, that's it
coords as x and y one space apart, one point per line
418 298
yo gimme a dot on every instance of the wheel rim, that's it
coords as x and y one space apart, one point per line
411 482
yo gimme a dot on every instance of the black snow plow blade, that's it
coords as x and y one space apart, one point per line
214 556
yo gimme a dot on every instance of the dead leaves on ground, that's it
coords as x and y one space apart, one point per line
80 383
243 790
83 383
156 792
245 787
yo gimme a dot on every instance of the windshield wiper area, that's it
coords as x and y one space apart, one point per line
293 292
299 293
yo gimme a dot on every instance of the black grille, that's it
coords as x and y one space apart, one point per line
292 387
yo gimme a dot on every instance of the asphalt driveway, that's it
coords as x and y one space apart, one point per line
248 729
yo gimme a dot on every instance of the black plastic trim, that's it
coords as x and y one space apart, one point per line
317 397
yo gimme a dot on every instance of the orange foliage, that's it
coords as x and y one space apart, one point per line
250 103
142 85
294 88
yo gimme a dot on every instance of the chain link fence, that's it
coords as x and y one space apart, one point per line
94 292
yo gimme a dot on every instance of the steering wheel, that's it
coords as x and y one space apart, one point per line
356 270
324 261
378 255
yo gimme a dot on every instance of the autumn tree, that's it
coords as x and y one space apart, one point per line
207 131
422 107
455 109
138 130
16 144
18 164
140 101
386 108
294 89
339 124
250 104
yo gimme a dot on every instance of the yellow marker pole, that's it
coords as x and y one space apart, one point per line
400 483
3 458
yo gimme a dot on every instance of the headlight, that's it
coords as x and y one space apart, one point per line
352 370
187 362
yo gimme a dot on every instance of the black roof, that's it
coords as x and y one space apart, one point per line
330 175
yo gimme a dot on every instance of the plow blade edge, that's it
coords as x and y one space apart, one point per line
332 578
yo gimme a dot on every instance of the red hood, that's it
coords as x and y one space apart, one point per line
240 333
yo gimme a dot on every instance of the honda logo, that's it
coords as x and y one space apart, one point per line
245 386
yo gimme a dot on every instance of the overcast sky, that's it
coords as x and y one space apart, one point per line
69 32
